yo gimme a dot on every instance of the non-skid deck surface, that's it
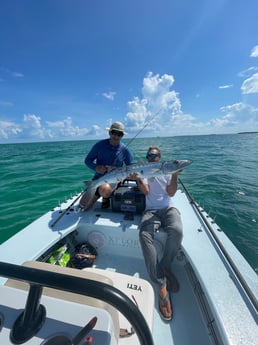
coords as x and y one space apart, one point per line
186 311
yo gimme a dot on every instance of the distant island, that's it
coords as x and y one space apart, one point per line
247 132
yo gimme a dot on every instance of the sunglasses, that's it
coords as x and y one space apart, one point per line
117 133
151 155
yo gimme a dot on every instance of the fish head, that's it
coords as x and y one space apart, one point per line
171 167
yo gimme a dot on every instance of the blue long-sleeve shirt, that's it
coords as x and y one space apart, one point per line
103 153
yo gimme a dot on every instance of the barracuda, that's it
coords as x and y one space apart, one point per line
145 170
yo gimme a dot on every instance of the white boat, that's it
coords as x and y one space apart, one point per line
216 303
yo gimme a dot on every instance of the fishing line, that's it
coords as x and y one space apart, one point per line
136 135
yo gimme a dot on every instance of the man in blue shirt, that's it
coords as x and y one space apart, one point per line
103 155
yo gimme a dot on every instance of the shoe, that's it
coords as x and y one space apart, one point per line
78 209
124 333
97 193
105 203
172 282
165 304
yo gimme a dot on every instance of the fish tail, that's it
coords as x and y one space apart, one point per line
88 183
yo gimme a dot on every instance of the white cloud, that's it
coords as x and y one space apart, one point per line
55 124
158 96
95 131
32 129
32 121
66 129
254 52
156 91
241 114
155 110
9 128
17 75
248 72
11 73
138 113
109 95
236 117
6 104
226 86
250 85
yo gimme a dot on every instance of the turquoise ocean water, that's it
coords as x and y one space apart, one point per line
223 178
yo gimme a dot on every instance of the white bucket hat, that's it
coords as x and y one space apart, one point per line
117 126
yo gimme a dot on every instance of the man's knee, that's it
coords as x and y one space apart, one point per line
145 236
105 190
175 232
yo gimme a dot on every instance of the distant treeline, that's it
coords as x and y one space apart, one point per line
247 132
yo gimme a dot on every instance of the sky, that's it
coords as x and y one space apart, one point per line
69 68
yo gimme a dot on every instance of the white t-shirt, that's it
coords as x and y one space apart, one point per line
158 197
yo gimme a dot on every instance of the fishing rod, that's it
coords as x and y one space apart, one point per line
124 148
66 210
146 124
136 135
231 263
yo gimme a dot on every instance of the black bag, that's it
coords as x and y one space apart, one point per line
84 256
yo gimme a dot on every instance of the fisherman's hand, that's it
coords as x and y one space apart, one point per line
101 169
133 176
178 172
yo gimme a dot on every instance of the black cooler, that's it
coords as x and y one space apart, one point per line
128 198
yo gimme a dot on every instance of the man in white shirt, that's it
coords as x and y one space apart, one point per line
160 211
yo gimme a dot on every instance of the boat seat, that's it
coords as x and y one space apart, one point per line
69 296
139 290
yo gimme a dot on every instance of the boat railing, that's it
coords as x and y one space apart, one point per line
33 316
251 296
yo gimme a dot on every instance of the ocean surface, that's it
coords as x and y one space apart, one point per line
35 177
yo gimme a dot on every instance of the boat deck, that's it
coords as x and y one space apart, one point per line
211 306
187 323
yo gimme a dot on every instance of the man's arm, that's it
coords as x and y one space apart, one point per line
90 158
143 187
172 186
128 157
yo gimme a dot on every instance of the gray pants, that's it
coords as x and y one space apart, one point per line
170 220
